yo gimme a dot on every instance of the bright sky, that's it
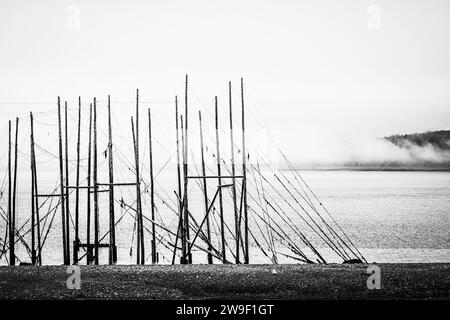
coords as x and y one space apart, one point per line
312 68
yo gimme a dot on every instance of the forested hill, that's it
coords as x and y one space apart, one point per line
417 151
438 139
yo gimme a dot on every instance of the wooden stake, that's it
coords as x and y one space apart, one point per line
67 182
14 213
140 252
112 227
219 182
180 204
11 227
142 247
205 190
88 212
185 168
233 173
77 190
244 173
33 245
152 185
184 244
36 192
61 178
96 208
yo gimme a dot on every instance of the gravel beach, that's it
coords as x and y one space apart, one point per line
333 281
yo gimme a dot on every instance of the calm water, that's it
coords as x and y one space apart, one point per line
390 216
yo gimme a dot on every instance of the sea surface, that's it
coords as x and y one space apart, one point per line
391 216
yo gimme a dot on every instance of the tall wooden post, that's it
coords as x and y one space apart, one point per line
96 208
33 196
61 178
205 191
244 173
152 186
140 245
138 189
138 219
11 227
138 177
35 200
67 182
185 169
33 250
180 202
219 182
14 212
112 228
77 190
88 211
185 244
233 173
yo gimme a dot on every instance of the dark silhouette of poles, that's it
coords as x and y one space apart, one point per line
152 187
77 190
205 191
185 169
219 182
180 232
140 230
112 229
67 182
33 245
244 181
35 219
11 226
61 177
96 208
88 211
184 245
14 199
152 191
233 173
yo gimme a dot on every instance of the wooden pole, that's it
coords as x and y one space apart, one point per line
61 178
12 258
180 203
233 173
139 180
88 211
205 190
184 238
138 230
184 244
14 199
33 244
142 247
77 190
140 253
96 208
219 182
67 182
152 185
244 173
36 192
112 228
185 168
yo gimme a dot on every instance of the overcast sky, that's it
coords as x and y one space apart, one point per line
312 68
